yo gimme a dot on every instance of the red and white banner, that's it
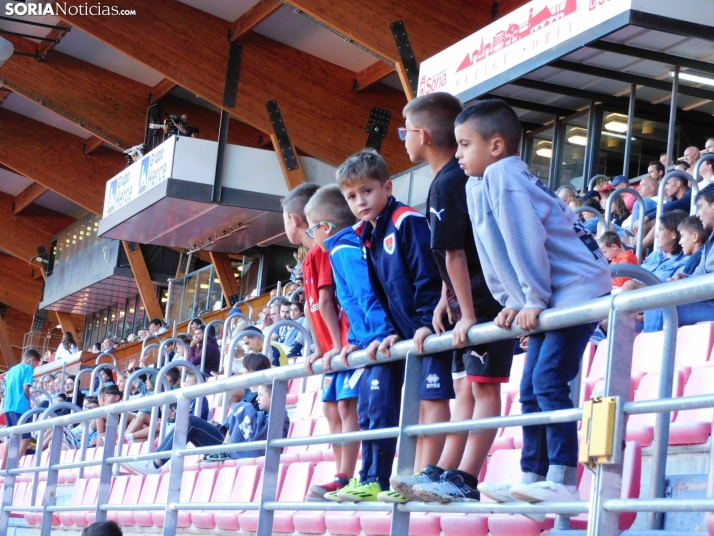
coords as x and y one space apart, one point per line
517 37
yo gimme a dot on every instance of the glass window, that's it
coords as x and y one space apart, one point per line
570 170
541 153
421 180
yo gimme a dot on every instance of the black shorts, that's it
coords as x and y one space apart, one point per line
485 363
12 418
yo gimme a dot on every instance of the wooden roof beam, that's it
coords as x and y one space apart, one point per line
45 46
57 161
143 280
315 95
92 145
162 89
23 233
253 17
28 196
376 72
17 288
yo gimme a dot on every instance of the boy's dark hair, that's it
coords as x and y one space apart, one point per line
328 204
111 390
31 353
491 117
297 198
436 113
256 362
184 337
107 372
91 400
686 165
62 397
102 528
299 305
706 193
197 321
252 328
592 203
367 164
268 387
156 322
694 225
609 239
671 221
174 375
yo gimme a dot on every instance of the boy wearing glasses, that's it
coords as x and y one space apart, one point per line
380 384
329 329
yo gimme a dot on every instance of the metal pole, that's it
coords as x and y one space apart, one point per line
105 471
641 218
177 464
630 122
672 116
272 457
222 142
697 166
168 301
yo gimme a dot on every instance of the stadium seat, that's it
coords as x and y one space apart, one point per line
67 456
131 494
420 524
313 384
79 519
298 477
314 453
301 428
194 489
293 392
313 522
506 439
693 427
203 519
73 474
647 354
21 496
318 408
503 467
599 389
599 362
641 427
94 470
237 518
27 461
44 462
188 480
694 346
116 496
514 381
147 495
304 406
65 518
35 518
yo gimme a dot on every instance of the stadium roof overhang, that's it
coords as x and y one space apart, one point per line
552 58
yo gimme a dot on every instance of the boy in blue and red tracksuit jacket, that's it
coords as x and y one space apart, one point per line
381 384
405 279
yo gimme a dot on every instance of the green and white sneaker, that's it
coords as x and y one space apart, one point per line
363 492
334 496
392 497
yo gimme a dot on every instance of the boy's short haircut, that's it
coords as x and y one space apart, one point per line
31 353
112 390
268 388
367 164
62 397
609 239
435 112
256 362
706 193
102 528
252 328
328 204
91 400
491 117
174 374
694 225
102 391
184 337
295 201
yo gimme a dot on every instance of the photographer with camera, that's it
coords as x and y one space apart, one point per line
175 125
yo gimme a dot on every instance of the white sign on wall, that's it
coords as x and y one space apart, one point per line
513 39
143 175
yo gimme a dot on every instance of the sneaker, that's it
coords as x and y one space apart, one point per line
361 492
403 484
319 490
216 458
544 491
502 493
144 467
451 487
333 496
391 497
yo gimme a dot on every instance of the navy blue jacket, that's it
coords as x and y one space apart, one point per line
675 204
368 321
401 266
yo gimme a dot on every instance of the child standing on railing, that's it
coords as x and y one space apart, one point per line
331 219
329 328
404 276
535 254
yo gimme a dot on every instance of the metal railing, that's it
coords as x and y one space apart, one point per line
604 506
641 229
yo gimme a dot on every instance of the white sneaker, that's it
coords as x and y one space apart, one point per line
544 491
497 492
144 467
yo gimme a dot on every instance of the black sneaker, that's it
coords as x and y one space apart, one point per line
216 458
453 486
404 484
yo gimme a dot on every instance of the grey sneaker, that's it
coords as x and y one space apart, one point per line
454 486
403 484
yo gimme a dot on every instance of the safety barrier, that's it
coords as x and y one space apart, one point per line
604 506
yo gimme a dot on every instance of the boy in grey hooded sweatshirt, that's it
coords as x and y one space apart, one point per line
535 254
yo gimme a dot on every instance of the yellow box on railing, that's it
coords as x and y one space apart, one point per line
598 430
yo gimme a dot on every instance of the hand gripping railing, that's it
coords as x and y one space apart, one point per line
660 194
641 202
603 507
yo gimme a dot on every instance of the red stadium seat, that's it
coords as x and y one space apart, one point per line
641 427
693 427
94 470
298 476
301 428
65 518
131 494
507 436
249 518
35 518
21 496
694 346
119 485
420 524
599 362
149 489
222 489
313 522
647 354
313 453
293 392
304 406
79 519
67 456
195 489
151 518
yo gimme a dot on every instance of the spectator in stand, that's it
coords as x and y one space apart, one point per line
108 345
255 344
680 198
611 247
575 204
213 353
709 145
566 194
683 166
282 333
69 390
18 382
156 327
405 277
57 384
648 191
620 182
245 425
535 255
195 323
663 160
619 211
656 170
107 396
706 173
294 339
102 528
67 347
691 155
693 237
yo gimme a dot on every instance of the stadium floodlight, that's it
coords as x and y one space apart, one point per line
6 50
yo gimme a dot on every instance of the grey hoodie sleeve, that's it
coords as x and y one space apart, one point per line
525 240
